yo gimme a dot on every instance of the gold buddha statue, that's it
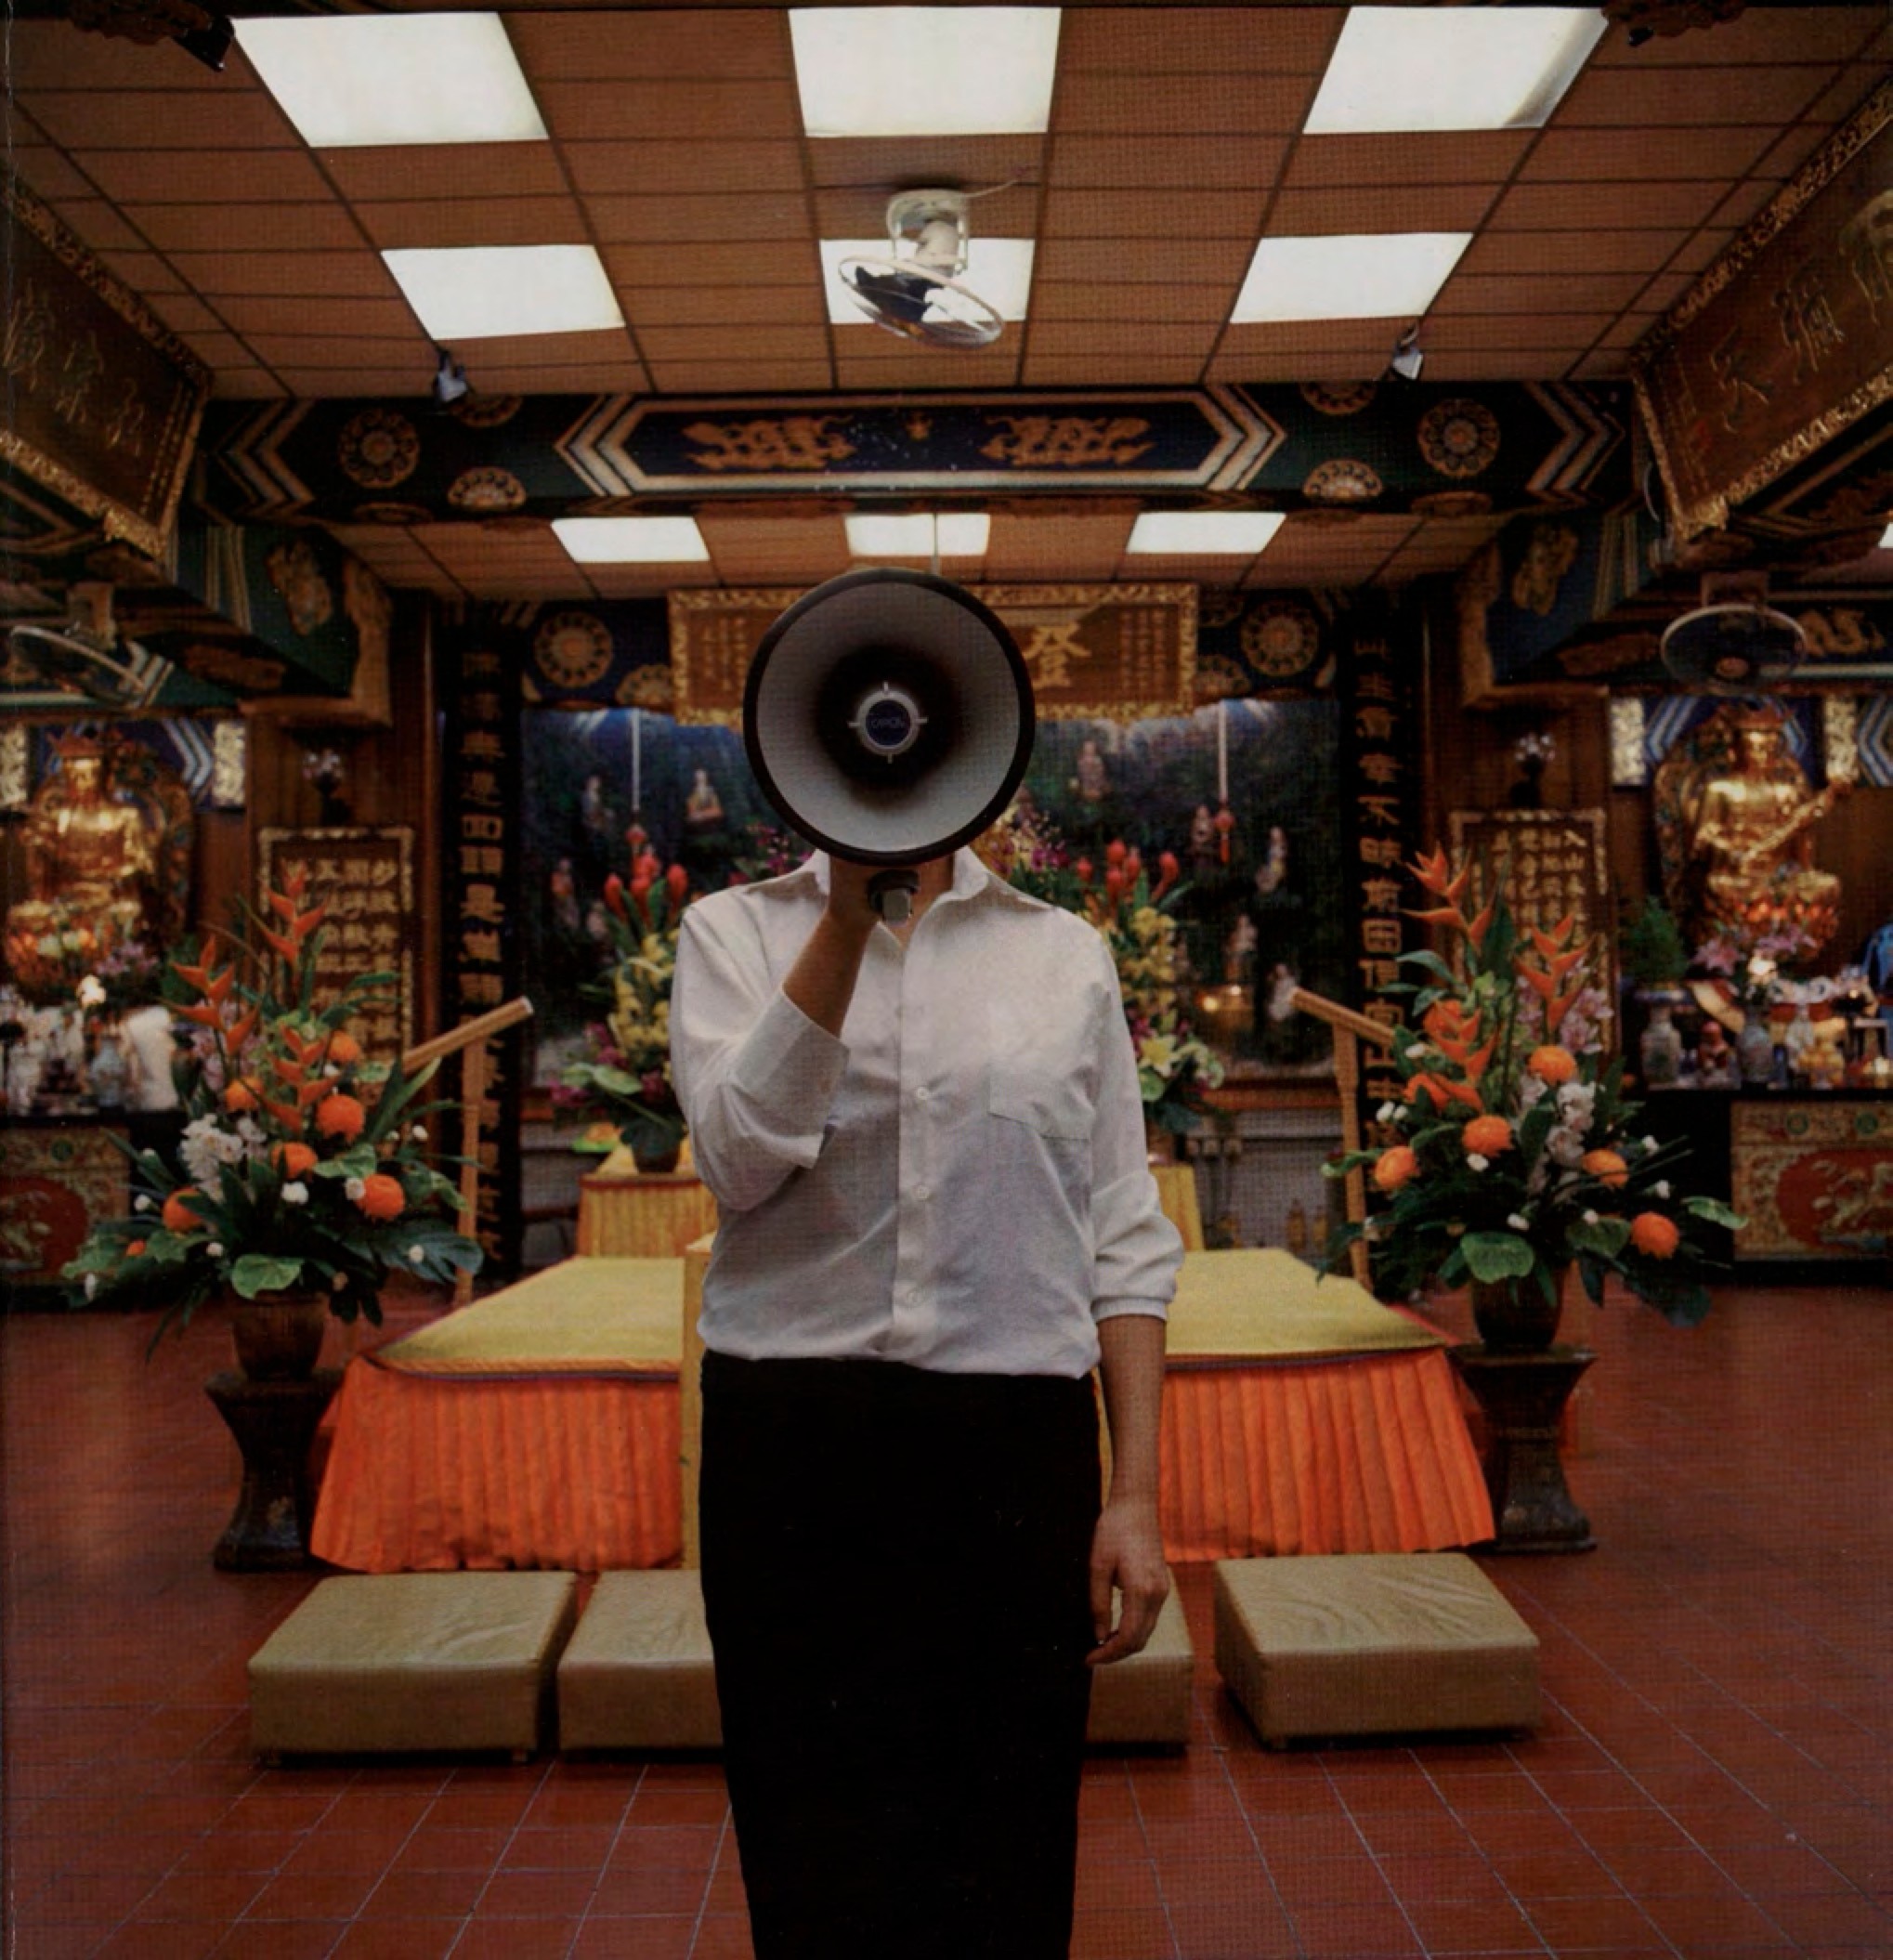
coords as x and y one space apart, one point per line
1736 814
95 866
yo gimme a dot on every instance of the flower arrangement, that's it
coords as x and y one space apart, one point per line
626 1080
300 1165
1750 957
1513 1152
1134 918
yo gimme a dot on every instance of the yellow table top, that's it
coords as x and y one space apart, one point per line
1267 1305
618 1316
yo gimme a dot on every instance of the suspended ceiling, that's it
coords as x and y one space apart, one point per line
676 149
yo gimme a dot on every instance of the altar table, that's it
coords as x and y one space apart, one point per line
540 1428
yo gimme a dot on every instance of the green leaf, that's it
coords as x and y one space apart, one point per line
360 1160
1429 962
1715 1212
1497 1255
1606 1239
257 1273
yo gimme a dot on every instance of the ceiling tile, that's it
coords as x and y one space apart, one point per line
217 350
634 582
1200 40
1022 547
1190 262
185 313
1460 156
237 228
763 223
1761 34
717 44
189 177
633 267
1784 157
1307 364
46 171
1420 207
1542 292
765 344
1503 253
100 224
1604 365
409 171
1102 298
1505 363
1660 97
1697 254
247 385
620 376
1470 333
1054 337
1185 105
1182 162
887 163
1663 291
1630 155
475 221
694 111
1097 370
144 272
320 275
54 53
862 213
738 377
547 349
385 319
339 383
1660 206
776 305
416 353
652 169
998 367
1310 336
141 120
1153 214
1849 91
1626 330
1745 201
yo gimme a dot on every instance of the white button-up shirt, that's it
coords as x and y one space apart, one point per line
959 1181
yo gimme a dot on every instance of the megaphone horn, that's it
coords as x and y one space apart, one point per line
888 717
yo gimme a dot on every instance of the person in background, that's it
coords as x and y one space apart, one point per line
936 1216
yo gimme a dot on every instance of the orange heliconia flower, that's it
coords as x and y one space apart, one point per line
294 1160
344 1049
340 1116
1607 1166
1487 1135
1445 1018
1552 1064
1394 1167
240 1096
1654 1233
382 1195
132 1251
176 1214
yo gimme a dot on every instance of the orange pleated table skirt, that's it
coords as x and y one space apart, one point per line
1266 1453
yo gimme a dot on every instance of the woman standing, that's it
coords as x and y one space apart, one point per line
927 1146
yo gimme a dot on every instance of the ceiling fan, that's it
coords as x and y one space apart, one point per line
1734 641
914 289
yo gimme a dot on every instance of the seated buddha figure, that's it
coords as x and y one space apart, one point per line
1749 832
92 863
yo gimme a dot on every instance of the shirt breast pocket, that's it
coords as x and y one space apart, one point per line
1040 1077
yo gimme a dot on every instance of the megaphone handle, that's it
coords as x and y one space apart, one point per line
892 893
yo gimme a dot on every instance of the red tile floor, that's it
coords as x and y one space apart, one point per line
1715 1777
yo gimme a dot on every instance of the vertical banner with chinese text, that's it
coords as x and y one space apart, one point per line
480 842
1379 776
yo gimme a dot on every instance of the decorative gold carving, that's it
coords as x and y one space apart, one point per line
16 767
1067 441
229 767
1840 738
789 442
1629 767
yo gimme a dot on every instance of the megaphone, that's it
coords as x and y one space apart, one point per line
888 717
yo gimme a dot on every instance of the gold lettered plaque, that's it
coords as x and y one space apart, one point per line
1094 652
1786 339
103 400
1814 1180
365 878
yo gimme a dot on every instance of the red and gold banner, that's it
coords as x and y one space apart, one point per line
1787 339
1813 1180
1094 652
57 1182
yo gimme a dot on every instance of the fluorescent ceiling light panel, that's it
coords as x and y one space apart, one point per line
925 70
1402 68
631 541
1205 533
877 535
348 82
478 292
1392 274
1887 539
999 269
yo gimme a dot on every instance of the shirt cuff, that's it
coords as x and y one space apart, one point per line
1129 1303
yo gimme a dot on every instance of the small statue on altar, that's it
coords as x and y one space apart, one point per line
102 863
1091 784
1717 1063
565 897
1736 816
702 806
1205 843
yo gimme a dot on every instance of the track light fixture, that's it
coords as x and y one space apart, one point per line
210 43
1407 358
450 380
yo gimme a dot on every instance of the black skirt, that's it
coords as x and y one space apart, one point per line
896 1571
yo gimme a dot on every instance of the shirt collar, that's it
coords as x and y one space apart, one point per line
970 877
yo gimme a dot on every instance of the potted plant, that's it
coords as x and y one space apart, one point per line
626 1079
300 1187
1655 958
1512 1153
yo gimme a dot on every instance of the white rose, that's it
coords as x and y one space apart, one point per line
214 1248
1590 1218
91 1286
296 1193
419 1132
1650 1144
418 1254
354 1187
1518 1222
1385 1114
141 1203
1416 1052
1475 1161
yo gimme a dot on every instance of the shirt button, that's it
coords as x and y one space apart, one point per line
924 1192
921 1095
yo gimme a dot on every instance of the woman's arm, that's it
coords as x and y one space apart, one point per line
1128 1547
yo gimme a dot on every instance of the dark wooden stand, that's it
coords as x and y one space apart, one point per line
1523 1397
274 1423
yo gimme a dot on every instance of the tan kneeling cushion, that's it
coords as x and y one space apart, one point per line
1147 1698
638 1673
1371 1644
425 1660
